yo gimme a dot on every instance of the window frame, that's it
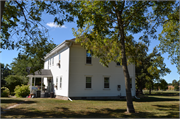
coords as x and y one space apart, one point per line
57 83
88 58
53 61
60 82
108 82
88 82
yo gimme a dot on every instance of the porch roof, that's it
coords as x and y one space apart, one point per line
41 73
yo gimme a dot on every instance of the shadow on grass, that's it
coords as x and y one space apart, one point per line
63 112
164 94
154 99
15 101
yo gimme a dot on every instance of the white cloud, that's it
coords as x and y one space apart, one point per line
52 24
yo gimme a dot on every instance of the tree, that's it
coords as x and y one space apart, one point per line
104 29
174 82
5 71
23 18
163 84
32 56
169 37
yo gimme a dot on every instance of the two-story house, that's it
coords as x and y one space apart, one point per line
76 74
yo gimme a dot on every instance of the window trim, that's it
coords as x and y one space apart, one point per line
105 76
87 57
60 82
86 82
57 83
53 61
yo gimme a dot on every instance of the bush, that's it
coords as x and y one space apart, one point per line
5 92
13 80
22 91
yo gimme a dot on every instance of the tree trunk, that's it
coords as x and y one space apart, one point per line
141 91
2 9
150 91
130 107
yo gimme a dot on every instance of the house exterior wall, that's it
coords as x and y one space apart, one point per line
57 72
79 70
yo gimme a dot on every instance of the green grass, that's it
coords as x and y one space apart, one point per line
161 104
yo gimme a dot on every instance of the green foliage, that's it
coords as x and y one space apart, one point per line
5 92
32 56
22 91
163 84
5 71
174 82
13 80
149 67
22 19
176 87
169 37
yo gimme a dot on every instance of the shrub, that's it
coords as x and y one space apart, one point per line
5 92
13 80
22 91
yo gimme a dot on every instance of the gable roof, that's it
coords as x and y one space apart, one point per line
64 44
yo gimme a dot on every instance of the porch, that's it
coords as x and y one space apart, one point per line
41 90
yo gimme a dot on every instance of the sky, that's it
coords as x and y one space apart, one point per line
58 34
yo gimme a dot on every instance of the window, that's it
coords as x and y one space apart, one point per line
50 62
59 56
106 82
56 83
60 83
118 64
88 58
53 61
88 82
130 82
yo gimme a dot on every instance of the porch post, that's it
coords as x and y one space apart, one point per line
41 84
34 80
30 81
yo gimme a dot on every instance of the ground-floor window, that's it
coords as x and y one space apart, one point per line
106 82
60 84
88 82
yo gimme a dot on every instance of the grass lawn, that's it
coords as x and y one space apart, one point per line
161 104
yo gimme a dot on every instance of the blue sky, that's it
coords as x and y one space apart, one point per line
59 34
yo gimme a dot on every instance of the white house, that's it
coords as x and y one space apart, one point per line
76 74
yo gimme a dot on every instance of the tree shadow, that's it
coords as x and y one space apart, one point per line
173 110
15 101
164 94
153 99
63 112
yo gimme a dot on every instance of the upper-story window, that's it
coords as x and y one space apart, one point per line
53 61
88 58
50 62
59 56
118 64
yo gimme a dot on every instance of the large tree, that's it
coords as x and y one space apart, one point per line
31 56
105 28
169 37
23 19
149 67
